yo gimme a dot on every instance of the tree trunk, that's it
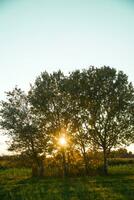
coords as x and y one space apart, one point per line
105 164
34 170
41 168
85 160
64 163
38 167
68 163
86 163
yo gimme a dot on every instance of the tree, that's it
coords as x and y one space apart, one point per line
121 153
104 98
24 128
74 89
110 98
50 102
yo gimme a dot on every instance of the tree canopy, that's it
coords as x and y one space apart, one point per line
94 107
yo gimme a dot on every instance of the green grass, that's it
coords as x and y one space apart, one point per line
16 184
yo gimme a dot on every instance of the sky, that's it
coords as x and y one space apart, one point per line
39 35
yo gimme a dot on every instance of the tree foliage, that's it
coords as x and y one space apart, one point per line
93 108
19 122
103 99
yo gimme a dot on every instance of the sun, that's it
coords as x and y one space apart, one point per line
62 141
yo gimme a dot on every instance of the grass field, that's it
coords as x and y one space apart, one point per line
16 184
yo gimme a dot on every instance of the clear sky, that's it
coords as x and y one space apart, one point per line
38 35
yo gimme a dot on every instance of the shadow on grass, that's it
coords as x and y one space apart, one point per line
112 187
116 187
51 189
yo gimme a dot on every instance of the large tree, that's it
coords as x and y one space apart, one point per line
49 100
73 88
25 129
103 99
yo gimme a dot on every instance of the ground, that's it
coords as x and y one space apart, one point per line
16 184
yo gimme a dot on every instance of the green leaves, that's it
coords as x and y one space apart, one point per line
95 106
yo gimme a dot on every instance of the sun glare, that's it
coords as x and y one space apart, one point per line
62 141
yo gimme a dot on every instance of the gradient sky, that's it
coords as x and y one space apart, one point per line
39 35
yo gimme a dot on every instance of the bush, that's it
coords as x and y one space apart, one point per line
120 161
